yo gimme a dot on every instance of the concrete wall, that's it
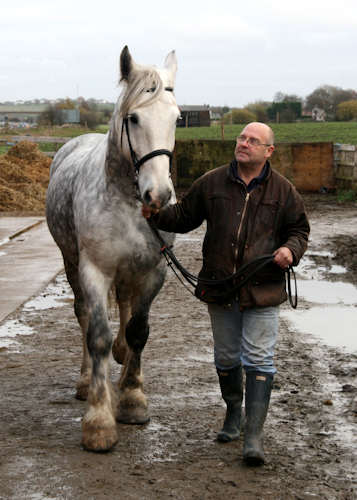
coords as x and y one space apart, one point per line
309 166
345 156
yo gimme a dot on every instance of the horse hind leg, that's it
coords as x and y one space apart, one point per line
120 346
133 405
82 315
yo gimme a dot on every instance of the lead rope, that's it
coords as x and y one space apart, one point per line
244 274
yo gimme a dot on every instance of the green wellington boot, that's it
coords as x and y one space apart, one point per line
231 383
257 396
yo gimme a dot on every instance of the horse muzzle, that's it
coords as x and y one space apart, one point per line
157 199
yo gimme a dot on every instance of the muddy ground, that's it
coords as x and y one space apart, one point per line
310 430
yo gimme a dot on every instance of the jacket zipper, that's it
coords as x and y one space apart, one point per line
239 231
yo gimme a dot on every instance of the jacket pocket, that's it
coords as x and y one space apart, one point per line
268 294
268 213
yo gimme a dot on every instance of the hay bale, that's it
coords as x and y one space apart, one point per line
24 175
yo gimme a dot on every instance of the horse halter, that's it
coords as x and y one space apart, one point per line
138 163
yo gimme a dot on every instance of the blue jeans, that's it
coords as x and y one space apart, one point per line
246 337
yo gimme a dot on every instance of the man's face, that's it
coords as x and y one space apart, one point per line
251 148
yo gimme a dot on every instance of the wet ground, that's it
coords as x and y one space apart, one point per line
310 430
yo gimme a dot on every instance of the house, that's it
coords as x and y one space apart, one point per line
318 114
194 116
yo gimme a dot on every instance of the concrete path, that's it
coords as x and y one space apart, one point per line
29 260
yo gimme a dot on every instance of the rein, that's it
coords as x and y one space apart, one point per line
243 275
136 162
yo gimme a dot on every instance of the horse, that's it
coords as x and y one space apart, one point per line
98 183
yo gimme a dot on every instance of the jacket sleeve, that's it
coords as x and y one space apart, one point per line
296 227
185 215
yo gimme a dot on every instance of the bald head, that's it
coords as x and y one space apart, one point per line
261 129
254 147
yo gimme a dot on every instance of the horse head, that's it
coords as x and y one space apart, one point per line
146 118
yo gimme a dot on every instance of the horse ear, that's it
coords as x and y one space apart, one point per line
126 64
171 63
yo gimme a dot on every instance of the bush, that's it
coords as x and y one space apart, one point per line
347 110
240 115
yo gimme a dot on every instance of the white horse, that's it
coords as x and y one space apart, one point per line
93 210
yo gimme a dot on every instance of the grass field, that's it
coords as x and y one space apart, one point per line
342 132
337 132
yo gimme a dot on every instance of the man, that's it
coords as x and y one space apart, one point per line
250 210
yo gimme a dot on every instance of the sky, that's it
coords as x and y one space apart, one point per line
230 53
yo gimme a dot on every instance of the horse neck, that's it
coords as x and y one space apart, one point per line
119 170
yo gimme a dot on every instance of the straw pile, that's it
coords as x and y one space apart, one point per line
24 174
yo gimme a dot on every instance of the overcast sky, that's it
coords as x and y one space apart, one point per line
229 52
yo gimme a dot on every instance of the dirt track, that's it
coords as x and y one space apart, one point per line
311 448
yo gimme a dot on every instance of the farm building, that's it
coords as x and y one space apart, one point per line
194 116
21 112
30 113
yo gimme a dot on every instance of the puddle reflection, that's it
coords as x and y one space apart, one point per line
335 325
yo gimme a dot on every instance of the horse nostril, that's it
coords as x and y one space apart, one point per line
147 198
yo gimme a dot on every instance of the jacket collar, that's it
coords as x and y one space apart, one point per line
233 175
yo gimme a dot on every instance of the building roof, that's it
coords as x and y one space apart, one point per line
22 108
200 107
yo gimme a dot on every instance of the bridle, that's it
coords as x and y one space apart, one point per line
136 162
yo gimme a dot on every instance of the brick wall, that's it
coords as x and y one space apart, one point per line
309 166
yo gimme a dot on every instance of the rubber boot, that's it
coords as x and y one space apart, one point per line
257 396
231 383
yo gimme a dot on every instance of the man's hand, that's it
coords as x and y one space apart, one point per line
148 211
283 257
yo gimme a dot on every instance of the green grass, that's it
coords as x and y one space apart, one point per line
347 196
342 132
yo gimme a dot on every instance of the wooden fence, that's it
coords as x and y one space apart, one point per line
10 141
345 156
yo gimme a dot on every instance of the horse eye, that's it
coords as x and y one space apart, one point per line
169 89
134 119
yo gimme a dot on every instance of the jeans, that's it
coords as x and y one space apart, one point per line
245 337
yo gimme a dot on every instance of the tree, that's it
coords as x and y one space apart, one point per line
260 110
281 97
66 104
51 116
347 110
285 111
328 97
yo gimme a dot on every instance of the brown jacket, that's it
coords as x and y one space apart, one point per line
242 226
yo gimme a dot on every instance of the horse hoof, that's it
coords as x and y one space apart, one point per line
136 416
98 439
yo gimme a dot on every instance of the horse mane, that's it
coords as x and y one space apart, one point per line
143 87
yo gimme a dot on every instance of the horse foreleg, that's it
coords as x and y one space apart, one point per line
83 383
133 406
99 431
82 315
120 346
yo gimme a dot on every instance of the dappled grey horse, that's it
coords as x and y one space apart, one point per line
93 210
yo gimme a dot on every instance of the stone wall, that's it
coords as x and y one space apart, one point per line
345 157
309 166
